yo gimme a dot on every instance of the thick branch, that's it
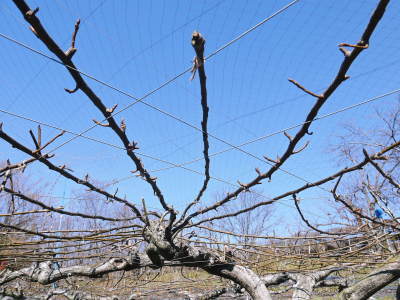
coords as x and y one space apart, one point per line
213 294
44 274
243 276
275 279
341 283
211 262
305 283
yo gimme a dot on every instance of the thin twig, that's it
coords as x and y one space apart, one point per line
295 200
304 89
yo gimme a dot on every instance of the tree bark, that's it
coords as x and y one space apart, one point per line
398 291
304 287
44 274
305 283
243 276
375 281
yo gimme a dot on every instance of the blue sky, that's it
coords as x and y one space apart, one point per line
137 45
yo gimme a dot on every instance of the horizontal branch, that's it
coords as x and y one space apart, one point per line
57 237
44 274
36 211
58 210
22 165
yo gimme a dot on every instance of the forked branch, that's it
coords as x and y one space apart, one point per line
62 170
304 129
48 41
377 156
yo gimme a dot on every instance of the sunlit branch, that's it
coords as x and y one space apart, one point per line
41 33
340 77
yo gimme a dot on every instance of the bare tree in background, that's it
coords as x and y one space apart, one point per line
147 239
253 223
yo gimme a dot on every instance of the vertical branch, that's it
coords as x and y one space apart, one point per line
198 43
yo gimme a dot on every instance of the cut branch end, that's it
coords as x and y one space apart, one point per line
111 110
32 13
